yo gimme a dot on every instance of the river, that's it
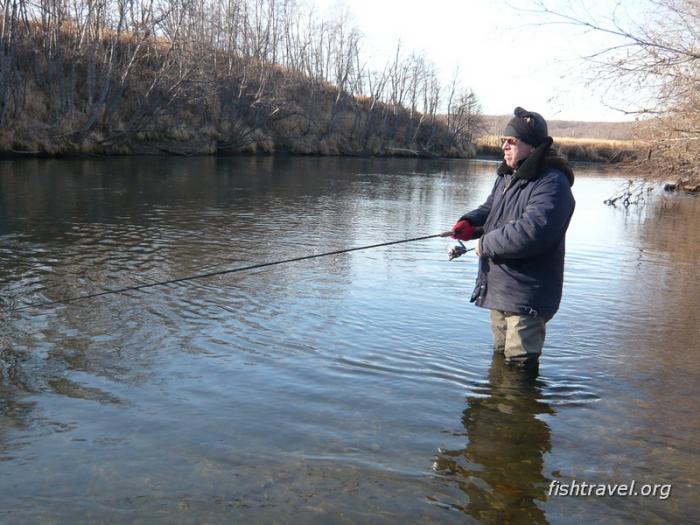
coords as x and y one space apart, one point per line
358 388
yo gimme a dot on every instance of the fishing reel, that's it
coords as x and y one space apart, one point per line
457 251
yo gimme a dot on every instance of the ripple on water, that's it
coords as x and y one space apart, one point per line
347 368
409 367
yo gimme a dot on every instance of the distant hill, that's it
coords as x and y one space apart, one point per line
494 124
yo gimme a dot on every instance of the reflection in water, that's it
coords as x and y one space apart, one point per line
14 386
500 469
284 392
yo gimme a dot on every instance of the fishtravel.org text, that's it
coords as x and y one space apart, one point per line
585 488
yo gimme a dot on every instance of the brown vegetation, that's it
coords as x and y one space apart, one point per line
212 76
577 149
494 124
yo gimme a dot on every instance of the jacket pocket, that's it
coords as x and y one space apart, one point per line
479 291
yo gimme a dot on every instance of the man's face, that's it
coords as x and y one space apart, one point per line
515 150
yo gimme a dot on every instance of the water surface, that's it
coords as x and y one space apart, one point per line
354 388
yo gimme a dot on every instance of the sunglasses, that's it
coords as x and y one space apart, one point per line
511 141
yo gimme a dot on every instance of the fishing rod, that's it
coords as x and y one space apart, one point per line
453 253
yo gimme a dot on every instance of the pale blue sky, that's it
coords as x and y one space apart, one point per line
506 55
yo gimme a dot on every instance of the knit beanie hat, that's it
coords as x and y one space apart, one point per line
528 126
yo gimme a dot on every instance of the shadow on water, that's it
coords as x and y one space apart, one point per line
500 470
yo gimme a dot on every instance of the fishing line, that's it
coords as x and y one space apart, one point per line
222 272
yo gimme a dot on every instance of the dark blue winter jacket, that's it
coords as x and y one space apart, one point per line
524 222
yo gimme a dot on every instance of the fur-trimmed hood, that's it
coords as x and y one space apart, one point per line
541 159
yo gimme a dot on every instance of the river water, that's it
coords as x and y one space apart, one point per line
347 389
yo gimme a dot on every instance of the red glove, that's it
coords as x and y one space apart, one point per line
463 230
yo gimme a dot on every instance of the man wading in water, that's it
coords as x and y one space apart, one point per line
520 230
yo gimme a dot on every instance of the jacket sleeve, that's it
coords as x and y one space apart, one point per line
543 222
478 216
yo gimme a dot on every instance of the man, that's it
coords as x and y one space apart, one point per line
520 230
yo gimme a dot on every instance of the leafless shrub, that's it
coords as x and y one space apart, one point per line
632 193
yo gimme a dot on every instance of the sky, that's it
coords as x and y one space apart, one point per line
504 53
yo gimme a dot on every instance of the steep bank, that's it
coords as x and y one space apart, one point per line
300 116
127 79
311 118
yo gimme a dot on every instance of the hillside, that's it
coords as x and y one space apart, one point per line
131 78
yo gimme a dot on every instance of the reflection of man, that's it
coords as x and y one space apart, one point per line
500 470
521 229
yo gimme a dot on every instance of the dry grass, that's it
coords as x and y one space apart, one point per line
577 149
493 124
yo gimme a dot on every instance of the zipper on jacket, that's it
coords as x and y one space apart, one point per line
509 183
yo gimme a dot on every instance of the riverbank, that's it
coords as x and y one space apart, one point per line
69 87
577 149
320 125
74 90
628 155
633 157
177 148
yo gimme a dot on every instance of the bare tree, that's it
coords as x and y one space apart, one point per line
8 45
113 72
658 57
463 115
